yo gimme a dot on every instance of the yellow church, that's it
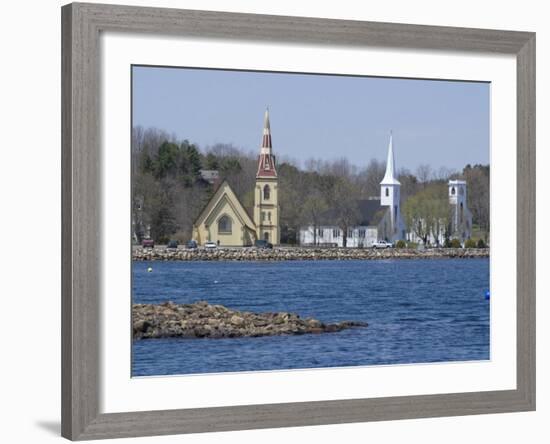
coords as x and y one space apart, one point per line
226 222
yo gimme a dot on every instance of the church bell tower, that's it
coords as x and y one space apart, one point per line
266 192
461 220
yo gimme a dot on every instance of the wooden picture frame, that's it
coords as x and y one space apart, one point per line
81 172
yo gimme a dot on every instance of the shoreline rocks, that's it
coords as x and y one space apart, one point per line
204 320
301 253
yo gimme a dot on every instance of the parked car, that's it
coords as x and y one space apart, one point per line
148 243
191 245
173 244
382 244
210 245
260 243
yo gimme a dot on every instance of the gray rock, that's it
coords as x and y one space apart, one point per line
202 320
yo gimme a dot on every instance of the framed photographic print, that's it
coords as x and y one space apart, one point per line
278 221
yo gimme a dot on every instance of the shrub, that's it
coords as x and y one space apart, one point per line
470 243
481 244
412 245
455 243
162 240
400 244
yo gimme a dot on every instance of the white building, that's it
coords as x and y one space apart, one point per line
364 234
379 218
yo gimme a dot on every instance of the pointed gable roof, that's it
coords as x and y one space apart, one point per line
224 194
390 177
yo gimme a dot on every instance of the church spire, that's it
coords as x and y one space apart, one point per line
390 176
266 139
266 159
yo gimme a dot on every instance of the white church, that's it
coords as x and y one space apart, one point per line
380 217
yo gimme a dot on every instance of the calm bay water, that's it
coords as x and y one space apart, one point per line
418 311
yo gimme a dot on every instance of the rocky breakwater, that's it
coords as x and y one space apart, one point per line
302 253
203 320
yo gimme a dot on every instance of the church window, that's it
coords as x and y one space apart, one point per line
224 225
335 232
263 216
269 216
350 232
267 192
387 192
453 191
320 232
266 236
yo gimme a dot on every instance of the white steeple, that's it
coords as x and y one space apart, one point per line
389 177
390 197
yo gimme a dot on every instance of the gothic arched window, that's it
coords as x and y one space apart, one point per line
267 192
461 212
387 192
224 225
453 191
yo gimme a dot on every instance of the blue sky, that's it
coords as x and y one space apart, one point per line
440 123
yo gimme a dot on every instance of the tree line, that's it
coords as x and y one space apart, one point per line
169 192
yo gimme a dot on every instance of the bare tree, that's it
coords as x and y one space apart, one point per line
478 179
369 179
188 205
409 184
314 165
344 202
312 210
293 193
424 174
443 174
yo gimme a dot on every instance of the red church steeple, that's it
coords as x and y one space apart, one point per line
266 159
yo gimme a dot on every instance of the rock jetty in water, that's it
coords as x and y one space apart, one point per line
204 320
302 254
